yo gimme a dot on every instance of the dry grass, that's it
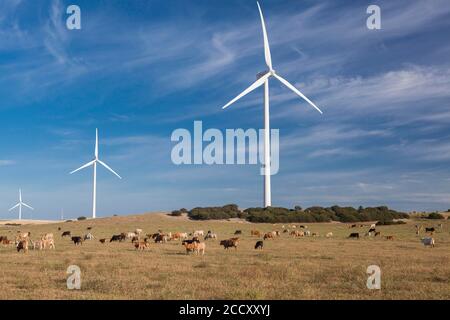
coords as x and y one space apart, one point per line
287 268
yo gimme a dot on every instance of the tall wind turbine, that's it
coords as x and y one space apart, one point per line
263 79
94 164
20 204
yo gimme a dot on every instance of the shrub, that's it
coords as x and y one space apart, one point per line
284 215
435 215
389 222
175 213
215 213
81 218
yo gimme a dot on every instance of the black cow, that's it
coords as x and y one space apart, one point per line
118 237
259 245
432 229
66 233
354 235
194 239
77 240
238 232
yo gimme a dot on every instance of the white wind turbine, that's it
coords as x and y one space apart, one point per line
94 163
20 205
263 78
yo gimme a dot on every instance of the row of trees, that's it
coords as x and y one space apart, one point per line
297 214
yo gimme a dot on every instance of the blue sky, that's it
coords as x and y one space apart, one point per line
138 70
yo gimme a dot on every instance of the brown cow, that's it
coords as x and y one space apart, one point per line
389 237
268 235
22 245
233 242
255 233
141 245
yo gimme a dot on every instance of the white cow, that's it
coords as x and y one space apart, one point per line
428 242
89 236
199 233
131 235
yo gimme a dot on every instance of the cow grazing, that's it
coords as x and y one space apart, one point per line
138 231
118 237
428 242
238 232
102 240
195 246
210 236
161 238
198 233
268 235
352 226
89 236
22 245
194 239
141 245
389 237
307 233
315 234
255 233
354 235
259 245
179 236
297 233
329 234
230 243
77 240
432 229
66 234
130 235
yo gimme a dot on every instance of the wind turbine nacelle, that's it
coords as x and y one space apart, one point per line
261 74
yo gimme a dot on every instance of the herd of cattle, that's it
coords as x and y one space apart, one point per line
140 241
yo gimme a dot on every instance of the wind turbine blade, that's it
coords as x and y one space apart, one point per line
107 167
255 85
14 207
24 204
96 143
85 166
266 40
290 86
20 195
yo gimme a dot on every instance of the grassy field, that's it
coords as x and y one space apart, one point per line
287 268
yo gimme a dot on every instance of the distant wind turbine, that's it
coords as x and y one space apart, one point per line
94 163
20 204
263 78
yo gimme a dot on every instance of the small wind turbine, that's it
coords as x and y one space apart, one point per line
20 204
263 78
94 163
